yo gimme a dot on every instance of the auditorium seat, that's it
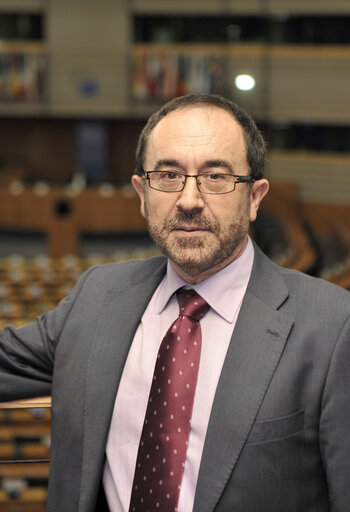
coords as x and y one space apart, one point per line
24 436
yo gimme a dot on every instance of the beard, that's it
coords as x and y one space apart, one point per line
197 254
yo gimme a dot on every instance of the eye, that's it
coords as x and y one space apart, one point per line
215 176
169 175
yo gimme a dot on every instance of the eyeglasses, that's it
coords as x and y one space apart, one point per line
212 183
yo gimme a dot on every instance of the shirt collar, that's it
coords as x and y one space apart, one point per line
221 291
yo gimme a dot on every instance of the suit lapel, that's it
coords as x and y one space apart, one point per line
112 341
254 352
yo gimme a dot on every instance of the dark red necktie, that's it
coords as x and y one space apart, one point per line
164 439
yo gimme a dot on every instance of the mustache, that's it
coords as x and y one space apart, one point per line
191 219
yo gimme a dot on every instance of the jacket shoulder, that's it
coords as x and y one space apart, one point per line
270 281
315 286
120 273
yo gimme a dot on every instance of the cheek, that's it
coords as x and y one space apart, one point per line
225 210
159 208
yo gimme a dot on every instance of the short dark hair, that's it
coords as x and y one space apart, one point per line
255 144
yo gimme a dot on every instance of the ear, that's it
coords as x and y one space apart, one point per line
139 186
258 191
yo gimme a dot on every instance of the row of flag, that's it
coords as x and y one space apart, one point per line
162 76
22 77
155 76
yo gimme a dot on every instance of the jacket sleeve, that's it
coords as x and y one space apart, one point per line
335 424
27 354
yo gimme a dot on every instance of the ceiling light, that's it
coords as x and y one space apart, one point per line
245 82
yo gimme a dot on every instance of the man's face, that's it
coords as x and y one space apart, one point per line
200 233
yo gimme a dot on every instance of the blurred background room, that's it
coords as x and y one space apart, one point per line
78 79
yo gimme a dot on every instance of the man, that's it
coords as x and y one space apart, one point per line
269 428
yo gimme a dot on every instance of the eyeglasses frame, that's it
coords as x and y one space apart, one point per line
240 179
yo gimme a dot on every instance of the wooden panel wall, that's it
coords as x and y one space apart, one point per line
45 149
309 84
87 42
235 6
322 178
180 6
37 149
308 6
87 211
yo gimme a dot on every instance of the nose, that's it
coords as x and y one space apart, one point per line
190 198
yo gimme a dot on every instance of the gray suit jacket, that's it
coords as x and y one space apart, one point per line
279 434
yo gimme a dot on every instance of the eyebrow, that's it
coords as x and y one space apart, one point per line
167 162
217 163
206 165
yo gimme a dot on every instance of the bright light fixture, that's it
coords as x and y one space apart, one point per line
245 82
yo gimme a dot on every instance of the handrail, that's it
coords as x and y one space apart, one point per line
28 403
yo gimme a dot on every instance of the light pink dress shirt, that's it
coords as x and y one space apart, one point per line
224 292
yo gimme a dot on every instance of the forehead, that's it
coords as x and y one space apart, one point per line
195 133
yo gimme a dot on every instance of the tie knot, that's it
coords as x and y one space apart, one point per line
191 304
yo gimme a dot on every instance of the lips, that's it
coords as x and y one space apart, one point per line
189 229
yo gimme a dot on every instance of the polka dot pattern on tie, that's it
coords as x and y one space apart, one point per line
164 439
